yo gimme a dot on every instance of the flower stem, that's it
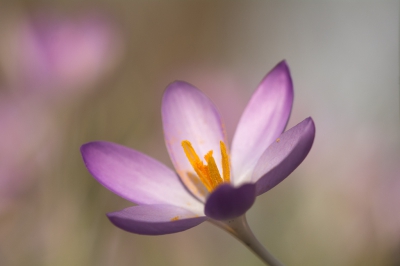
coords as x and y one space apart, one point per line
240 229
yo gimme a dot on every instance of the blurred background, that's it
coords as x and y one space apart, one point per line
77 71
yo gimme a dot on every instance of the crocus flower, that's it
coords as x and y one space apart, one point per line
222 186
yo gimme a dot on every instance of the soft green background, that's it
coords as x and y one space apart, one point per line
335 209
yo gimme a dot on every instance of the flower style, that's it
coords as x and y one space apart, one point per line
225 184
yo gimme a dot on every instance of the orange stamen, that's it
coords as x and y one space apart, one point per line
197 164
213 170
208 174
226 173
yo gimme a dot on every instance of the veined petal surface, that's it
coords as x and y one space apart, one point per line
188 114
263 120
136 177
227 202
283 156
155 219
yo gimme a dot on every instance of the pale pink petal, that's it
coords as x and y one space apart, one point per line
188 114
136 177
263 120
283 156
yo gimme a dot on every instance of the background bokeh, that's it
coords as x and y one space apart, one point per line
78 71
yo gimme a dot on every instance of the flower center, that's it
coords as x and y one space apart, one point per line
209 174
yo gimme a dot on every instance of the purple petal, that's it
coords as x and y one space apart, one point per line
155 219
135 176
284 155
188 114
263 120
227 202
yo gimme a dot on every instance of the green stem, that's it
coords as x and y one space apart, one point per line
240 229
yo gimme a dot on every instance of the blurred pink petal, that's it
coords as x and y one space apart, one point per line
61 56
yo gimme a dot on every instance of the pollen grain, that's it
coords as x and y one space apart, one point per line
176 218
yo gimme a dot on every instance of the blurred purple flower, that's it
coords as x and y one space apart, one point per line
44 58
61 56
261 157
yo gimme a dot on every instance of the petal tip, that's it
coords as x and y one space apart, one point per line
310 123
282 63
281 72
282 66
110 215
177 89
176 85
85 147
115 219
309 119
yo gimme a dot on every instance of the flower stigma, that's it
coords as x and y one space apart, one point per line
208 174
